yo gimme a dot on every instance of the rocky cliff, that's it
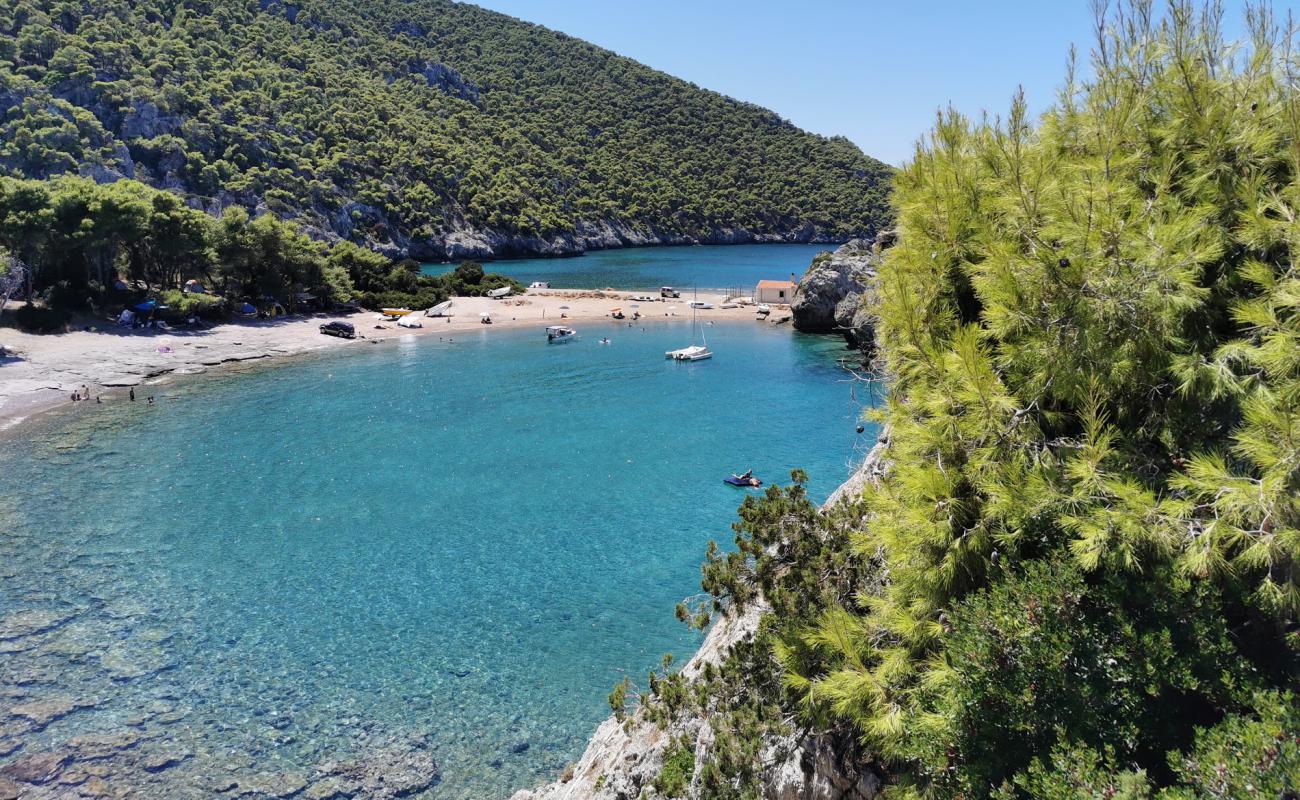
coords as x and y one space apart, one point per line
623 759
832 294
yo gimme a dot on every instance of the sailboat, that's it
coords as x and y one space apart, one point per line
696 352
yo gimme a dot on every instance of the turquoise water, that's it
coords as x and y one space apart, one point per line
410 547
648 268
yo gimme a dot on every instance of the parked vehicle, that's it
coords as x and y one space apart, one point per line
343 330
668 291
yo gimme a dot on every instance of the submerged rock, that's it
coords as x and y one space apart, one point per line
37 767
31 621
396 771
42 712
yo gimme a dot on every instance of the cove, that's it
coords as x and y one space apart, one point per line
704 266
412 549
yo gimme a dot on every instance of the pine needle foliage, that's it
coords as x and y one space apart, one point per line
1091 532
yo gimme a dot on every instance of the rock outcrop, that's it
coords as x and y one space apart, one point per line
831 295
622 759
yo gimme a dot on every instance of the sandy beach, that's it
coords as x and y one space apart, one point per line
42 371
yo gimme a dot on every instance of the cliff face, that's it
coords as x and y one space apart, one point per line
623 759
832 295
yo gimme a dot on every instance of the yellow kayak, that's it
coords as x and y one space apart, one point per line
394 312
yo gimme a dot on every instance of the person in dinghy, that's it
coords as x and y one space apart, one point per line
747 479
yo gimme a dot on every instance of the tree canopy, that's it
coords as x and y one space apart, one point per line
1080 577
395 123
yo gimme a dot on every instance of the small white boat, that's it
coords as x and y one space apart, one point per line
558 334
701 304
763 308
696 352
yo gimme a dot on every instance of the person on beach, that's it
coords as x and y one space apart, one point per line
132 394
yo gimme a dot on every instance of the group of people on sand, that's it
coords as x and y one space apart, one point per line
83 395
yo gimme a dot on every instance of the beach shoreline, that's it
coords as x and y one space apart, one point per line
43 370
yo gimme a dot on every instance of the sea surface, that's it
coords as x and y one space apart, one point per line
349 565
648 268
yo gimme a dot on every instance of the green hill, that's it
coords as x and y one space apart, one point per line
426 128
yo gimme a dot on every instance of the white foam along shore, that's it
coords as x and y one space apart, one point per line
42 371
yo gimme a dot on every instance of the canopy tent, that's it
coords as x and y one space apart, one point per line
443 309
147 307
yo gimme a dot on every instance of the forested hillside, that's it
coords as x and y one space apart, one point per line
430 127
1079 576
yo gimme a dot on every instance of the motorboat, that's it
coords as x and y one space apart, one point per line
558 334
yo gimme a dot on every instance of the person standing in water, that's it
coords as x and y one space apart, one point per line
132 394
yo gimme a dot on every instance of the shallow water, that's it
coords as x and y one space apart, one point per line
648 268
417 547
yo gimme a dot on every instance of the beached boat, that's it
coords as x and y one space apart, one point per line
559 334
394 312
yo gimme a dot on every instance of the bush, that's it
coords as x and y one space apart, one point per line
679 767
182 305
1046 655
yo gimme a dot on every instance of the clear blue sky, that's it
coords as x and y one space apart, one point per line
871 70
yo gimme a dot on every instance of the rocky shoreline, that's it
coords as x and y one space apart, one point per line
622 759
833 295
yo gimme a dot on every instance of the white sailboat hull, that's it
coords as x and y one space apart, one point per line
692 353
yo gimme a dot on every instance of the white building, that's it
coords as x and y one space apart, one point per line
774 292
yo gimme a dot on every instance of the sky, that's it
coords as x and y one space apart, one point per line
871 70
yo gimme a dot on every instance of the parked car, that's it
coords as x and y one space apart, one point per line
340 329
668 291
